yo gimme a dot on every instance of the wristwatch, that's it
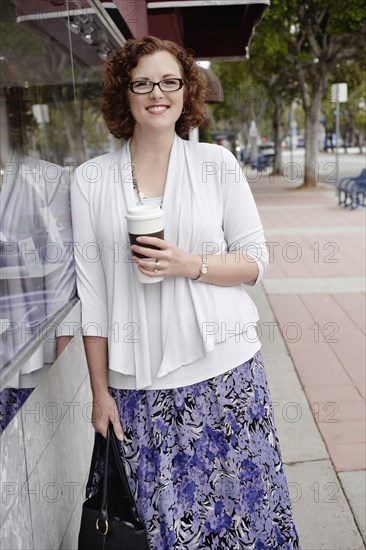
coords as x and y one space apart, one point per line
203 269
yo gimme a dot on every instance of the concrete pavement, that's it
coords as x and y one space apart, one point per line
312 309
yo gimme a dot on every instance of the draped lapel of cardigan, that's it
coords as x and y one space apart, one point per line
181 340
137 296
172 212
126 172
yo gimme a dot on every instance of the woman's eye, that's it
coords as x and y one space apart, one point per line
141 84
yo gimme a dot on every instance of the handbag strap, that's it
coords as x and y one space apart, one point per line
112 443
104 507
122 472
96 448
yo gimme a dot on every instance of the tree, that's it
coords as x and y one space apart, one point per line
274 71
353 112
319 34
243 98
56 64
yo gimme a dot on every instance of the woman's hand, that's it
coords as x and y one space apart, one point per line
105 411
173 261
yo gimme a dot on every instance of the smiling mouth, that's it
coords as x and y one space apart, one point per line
157 108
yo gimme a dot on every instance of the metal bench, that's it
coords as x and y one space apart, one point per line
352 191
262 162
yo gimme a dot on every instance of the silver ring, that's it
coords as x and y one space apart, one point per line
157 266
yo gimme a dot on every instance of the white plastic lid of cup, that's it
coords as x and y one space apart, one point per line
144 212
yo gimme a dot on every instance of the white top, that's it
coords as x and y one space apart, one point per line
227 355
208 208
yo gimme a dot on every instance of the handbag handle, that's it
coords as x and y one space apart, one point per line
104 508
111 443
98 439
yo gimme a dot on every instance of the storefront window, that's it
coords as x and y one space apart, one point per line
50 64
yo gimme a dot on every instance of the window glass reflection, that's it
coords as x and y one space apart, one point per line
49 122
36 266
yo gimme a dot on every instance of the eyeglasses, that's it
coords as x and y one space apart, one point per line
146 86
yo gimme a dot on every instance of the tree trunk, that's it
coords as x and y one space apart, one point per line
73 132
73 122
278 135
359 141
344 136
312 115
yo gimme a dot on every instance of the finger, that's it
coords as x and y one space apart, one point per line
148 267
101 429
115 420
155 241
118 431
148 252
150 264
150 273
147 263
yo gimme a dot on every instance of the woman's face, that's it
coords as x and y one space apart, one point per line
156 110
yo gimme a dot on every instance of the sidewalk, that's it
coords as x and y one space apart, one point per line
312 310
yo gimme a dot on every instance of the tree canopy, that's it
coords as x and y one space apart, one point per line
297 47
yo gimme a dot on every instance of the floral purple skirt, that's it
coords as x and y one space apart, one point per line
11 400
205 465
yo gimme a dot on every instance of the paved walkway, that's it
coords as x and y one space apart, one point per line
313 333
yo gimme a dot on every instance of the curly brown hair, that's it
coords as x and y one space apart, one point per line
117 76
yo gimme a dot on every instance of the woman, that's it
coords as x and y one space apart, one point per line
176 365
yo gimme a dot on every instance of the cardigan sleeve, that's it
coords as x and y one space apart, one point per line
90 275
242 226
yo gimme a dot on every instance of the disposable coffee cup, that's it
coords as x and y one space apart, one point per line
146 221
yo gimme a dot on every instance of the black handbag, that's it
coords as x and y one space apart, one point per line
109 519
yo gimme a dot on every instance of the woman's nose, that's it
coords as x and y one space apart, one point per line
156 92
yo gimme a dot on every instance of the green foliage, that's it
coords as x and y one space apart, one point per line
243 97
345 17
298 43
95 131
22 49
296 48
353 112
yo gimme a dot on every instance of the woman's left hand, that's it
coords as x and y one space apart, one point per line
169 261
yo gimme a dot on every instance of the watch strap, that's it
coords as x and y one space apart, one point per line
203 269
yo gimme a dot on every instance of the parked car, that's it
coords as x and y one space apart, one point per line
266 148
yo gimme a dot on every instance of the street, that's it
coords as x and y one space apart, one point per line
350 164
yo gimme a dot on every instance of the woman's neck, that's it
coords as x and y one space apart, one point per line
154 146
150 157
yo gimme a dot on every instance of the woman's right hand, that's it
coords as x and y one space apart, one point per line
104 411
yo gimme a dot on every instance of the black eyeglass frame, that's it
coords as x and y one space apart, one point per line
131 84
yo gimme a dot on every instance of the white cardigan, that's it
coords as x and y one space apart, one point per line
208 208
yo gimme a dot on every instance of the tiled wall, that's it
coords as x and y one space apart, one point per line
45 457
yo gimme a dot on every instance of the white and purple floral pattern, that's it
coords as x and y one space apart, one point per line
11 401
205 465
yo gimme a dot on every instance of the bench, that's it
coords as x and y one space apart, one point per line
352 191
262 162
